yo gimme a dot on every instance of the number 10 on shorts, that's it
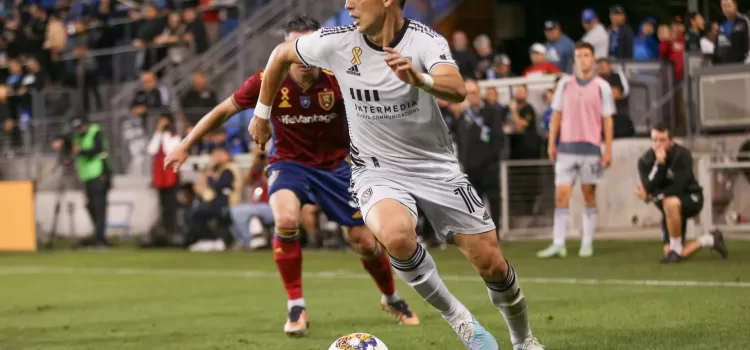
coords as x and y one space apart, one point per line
470 197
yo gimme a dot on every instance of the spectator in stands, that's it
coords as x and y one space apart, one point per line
219 188
196 31
559 47
465 58
34 30
693 36
492 98
485 56
13 37
55 43
547 115
645 45
524 141
211 21
198 101
172 36
14 85
151 96
672 47
734 35
166 181
623 125
84 71
620 35
539 64
90 147
596 34
708 42
480 139
148 29
500 68
256 208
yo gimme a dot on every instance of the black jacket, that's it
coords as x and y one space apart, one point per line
621 42
733 42
475 153
674 177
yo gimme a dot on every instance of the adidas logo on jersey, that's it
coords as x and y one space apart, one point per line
486 216
353 70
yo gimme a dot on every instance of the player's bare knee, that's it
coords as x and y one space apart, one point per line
562 196
589 195
399 240
672 205
286 220
491 266
362 240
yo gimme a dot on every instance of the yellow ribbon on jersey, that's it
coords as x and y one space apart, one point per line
357 51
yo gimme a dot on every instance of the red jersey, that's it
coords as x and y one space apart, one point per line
674 51
309 126
542 68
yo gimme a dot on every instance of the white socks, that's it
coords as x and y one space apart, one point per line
589 225
706 240
390 299
419 272
296 302
506 295
675 244
560 229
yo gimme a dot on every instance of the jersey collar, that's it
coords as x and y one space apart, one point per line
396 39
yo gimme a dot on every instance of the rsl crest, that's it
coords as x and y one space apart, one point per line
326 100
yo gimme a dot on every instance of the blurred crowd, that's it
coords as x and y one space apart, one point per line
88 44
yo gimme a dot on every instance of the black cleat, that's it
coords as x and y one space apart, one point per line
719 245
671 258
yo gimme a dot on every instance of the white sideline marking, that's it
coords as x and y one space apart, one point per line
32 270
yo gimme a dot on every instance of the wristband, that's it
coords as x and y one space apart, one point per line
429 83
262 111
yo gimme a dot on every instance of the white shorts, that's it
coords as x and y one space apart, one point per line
586 168
452 205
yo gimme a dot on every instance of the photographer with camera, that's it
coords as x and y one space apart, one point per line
164 140
90 149
218 188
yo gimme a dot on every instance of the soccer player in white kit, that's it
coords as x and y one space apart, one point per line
390 70
583 107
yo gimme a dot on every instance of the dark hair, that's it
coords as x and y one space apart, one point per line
301 24
403 3
661 127
603 59
585 45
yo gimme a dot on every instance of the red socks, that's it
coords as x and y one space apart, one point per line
380 269
287 252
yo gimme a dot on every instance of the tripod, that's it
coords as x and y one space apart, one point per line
63 185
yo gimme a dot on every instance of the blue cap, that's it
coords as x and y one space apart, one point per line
588 15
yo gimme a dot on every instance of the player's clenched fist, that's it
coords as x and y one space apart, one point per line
260 130
403 68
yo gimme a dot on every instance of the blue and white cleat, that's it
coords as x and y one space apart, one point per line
531 344
474 336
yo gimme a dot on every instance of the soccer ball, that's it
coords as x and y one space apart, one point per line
358 341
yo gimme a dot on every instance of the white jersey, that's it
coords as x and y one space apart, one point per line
392 125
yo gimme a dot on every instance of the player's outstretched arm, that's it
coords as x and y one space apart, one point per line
444 82
282 57
216 117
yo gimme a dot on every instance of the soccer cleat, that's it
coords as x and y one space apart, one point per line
586 251
719 245
297 322
671 258
401 311
473 335
553 251
531 344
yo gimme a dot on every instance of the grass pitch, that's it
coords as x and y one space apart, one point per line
126 299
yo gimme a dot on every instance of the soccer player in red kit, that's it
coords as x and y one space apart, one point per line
307 165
